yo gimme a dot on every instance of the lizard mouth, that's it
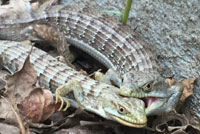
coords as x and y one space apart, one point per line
152 103
128 123
151 100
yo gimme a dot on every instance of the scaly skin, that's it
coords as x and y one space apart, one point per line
95 33
91 95
167 97
158 96
108 104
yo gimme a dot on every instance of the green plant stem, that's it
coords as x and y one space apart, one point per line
124 17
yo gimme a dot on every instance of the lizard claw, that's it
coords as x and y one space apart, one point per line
71 85
62 99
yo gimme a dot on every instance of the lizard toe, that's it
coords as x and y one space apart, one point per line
63 101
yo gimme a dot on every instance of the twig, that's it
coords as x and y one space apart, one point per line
19 121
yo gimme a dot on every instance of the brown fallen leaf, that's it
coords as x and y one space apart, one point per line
187 85
20 84
8 129
38 106
188 88
35 104
15 6
170 81
49 106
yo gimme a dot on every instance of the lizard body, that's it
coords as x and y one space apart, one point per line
100 36
95 33
96 97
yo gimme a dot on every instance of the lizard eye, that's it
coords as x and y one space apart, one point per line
122 110
147 87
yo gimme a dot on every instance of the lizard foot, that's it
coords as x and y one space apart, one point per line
71 85
98 75
63 100
111 77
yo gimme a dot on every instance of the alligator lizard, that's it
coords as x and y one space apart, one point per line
99 98
101 37
93 32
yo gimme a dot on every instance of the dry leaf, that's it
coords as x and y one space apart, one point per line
32 106
8 129
33 103
170 81
20 84
49 106
188 88
187 84
15 6
174 123
39 106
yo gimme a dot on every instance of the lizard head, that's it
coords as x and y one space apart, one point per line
125 110
159 97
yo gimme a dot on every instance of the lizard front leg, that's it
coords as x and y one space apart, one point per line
111 77
71 85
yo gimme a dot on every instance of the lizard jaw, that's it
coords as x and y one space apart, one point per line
150 100
128 123
154 104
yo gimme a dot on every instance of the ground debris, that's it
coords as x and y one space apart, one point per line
22 102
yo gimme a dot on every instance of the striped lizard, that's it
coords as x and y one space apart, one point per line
91 95
107 41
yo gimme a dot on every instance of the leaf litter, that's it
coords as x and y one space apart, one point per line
35 104
174 122
31 103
